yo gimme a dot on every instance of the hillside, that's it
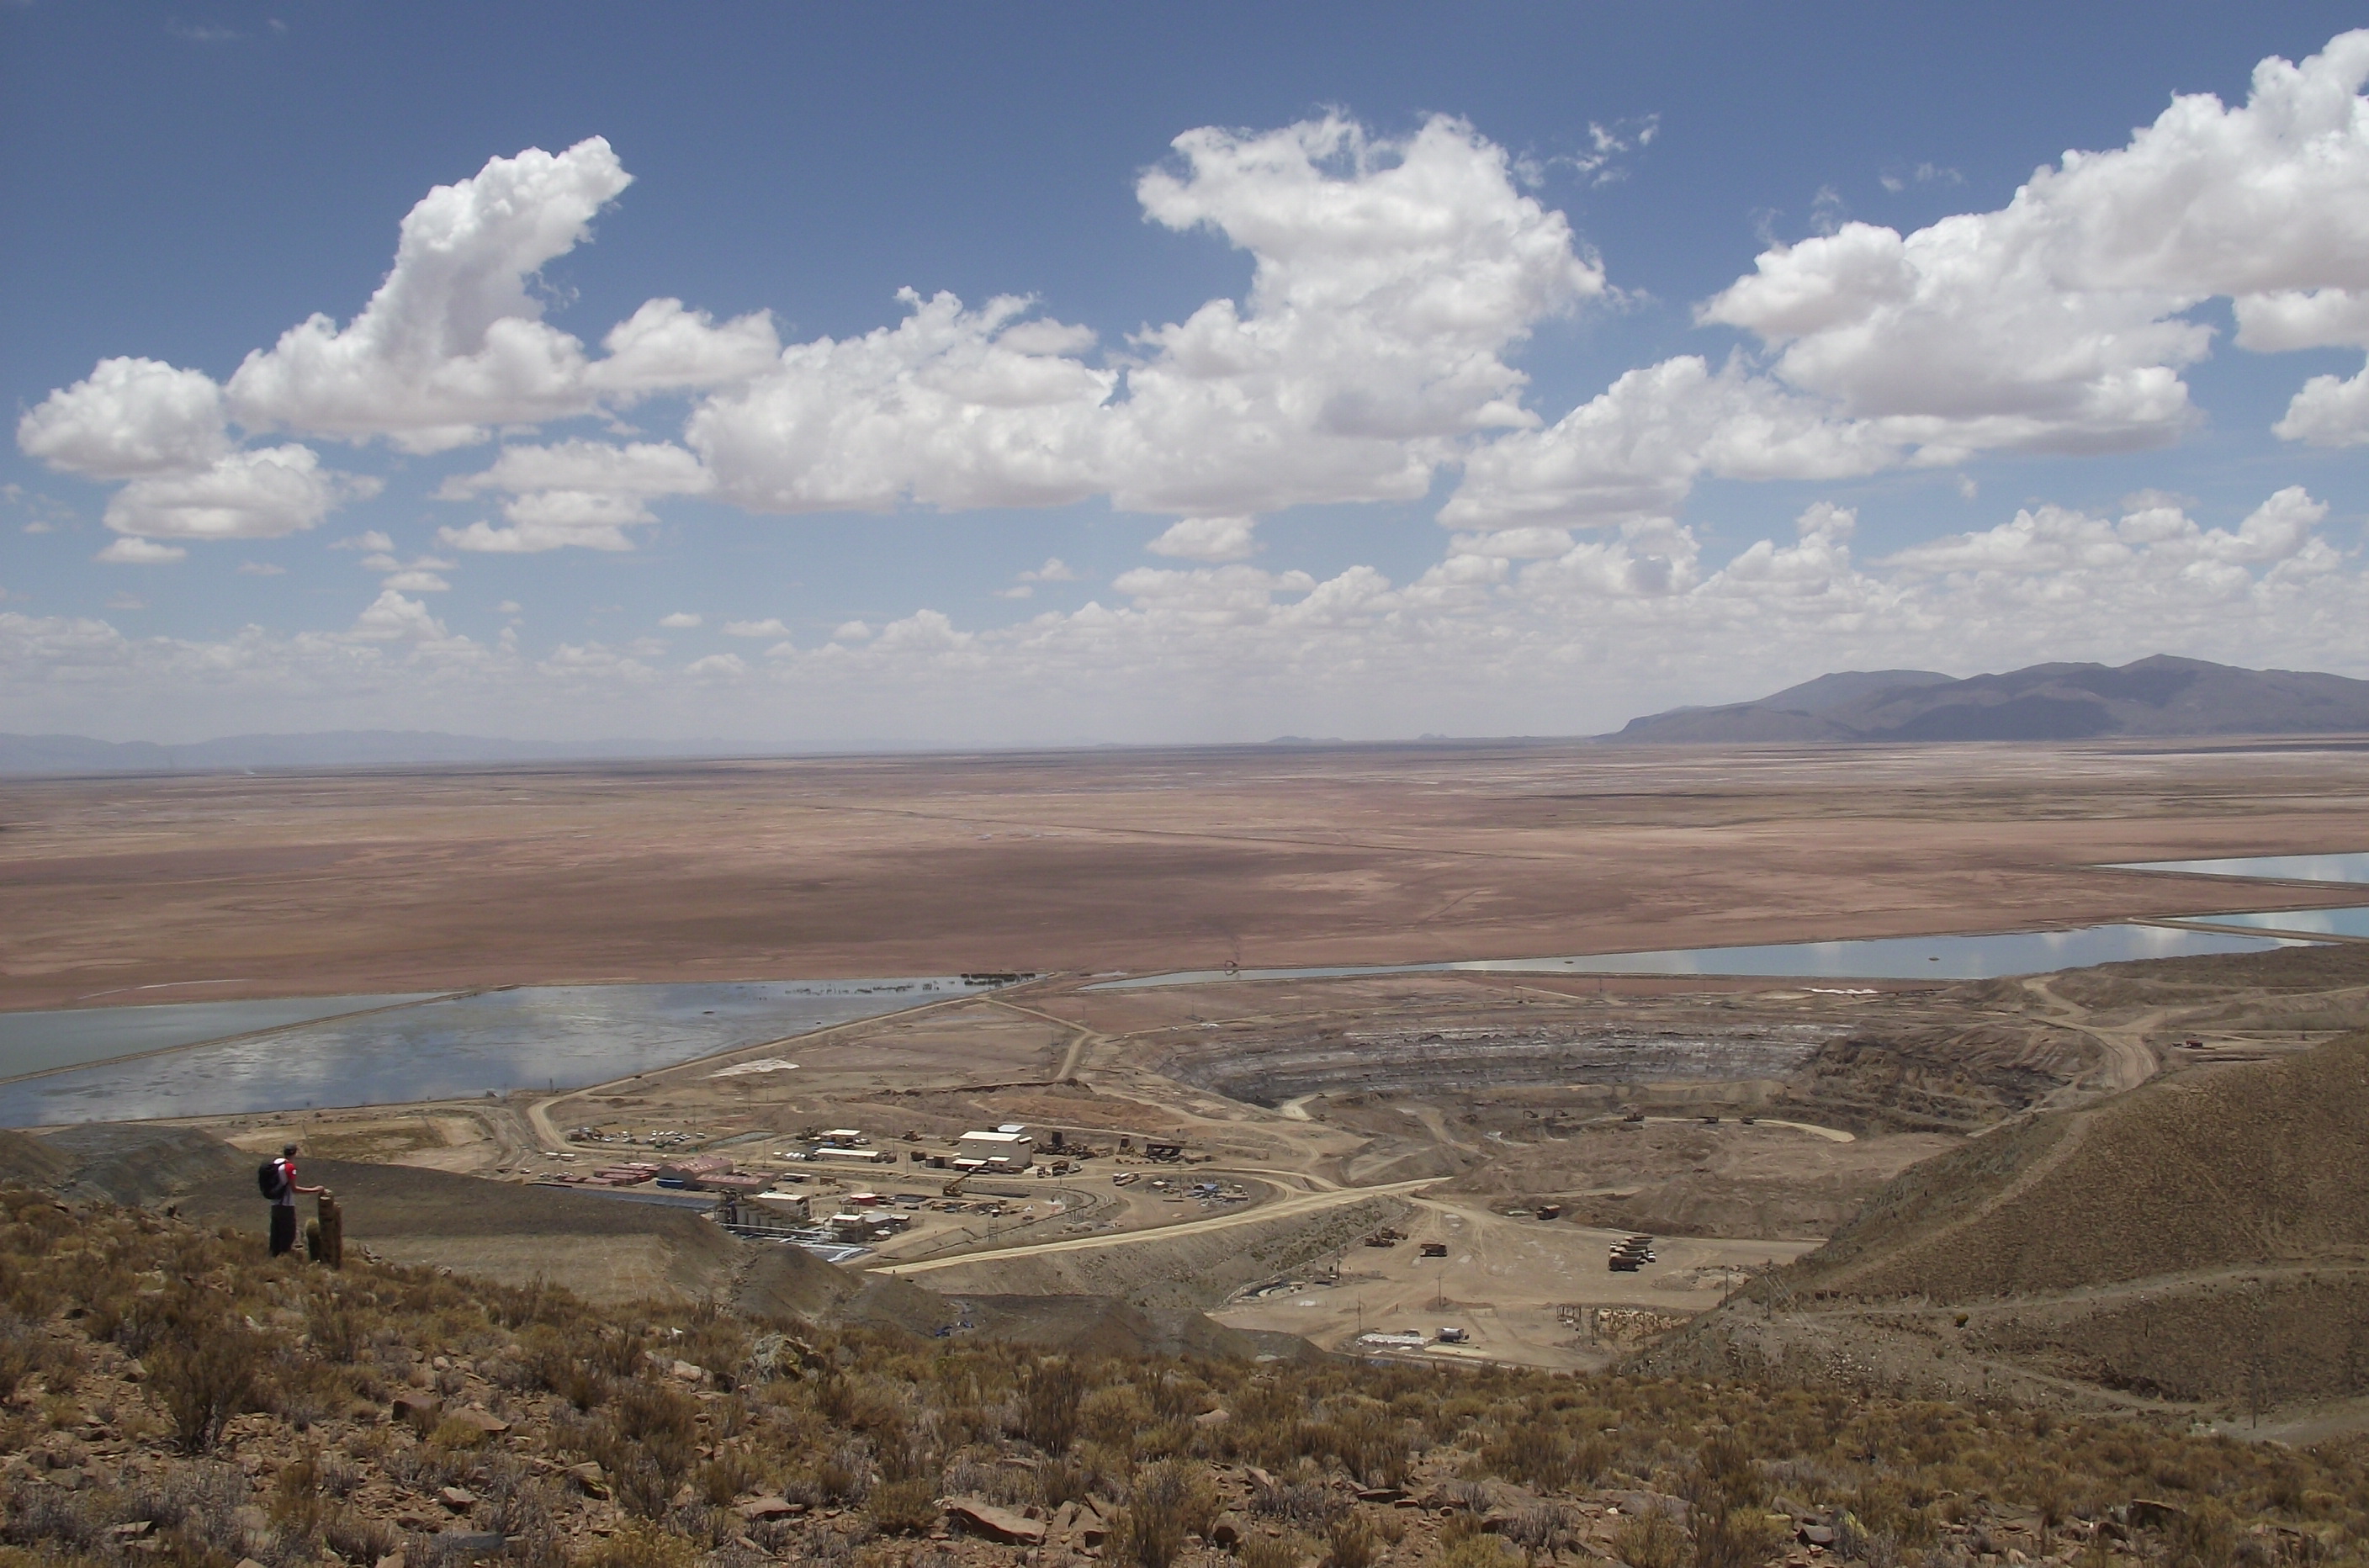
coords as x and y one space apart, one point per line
2202 1240
2161 696
178 1402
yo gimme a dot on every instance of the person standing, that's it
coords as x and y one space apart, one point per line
283 1202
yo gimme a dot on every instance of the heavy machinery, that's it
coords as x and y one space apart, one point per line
1631 1254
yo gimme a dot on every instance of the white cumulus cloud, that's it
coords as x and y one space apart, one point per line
1207 539
682 621
259 494
130 552
769 627
129 418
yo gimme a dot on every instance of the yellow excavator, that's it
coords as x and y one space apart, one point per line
955 1188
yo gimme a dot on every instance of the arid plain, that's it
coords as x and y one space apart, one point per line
1514 1124
227 886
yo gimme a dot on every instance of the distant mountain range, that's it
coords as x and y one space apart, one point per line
2157 696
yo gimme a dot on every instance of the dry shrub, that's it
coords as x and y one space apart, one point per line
1287 1550
22 1351
1651 1540
1727 1537
1479 1551
204 1374
1352 1542
453 1435
639 1544
1369 1440
1168 1502
1048 1405
726 1476
1113 1415
903 1507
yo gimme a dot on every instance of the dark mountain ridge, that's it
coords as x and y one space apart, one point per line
2159 696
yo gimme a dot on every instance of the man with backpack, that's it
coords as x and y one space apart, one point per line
278 1180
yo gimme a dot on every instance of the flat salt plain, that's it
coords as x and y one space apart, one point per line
456 1046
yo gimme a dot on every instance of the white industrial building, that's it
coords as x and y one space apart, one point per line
1008 1147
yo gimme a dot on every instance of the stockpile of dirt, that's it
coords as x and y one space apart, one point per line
1692 1179
2244 1166
790 1282
139 1163
27 1159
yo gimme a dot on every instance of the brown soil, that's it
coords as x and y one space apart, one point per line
2203 1240
359 882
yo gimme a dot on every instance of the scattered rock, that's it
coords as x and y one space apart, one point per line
484 1420
457 1497
469 1543
688 1373
1212 1418
1817 1535
762 1508
996 1524
1225 1531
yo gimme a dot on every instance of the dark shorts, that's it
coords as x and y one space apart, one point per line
284 1228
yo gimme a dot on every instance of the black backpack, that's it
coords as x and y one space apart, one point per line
268 1177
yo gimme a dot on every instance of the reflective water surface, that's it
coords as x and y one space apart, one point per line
1907 957
2286 867
534 1037
2349 921
36 1042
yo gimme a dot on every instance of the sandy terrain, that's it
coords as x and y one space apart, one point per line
339 883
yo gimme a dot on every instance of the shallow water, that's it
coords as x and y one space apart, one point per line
2349 921
37 1042
459 1046
1907 957
2284 867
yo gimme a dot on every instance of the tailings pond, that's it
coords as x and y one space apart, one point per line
1899 959
443 1047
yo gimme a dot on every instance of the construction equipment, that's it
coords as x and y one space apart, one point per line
1434 1249
1385 1237
955 1188
1631 1254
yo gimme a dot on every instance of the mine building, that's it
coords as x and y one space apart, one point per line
844 1155
691 1170
788 1205
1008 1147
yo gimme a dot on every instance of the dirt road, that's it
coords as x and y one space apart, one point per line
1259 1214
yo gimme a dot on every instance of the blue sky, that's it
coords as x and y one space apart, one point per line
1365 371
